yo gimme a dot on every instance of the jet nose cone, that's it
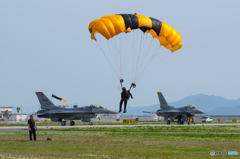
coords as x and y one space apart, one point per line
199 112
111 112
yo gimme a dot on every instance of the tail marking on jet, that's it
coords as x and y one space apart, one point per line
44 101
163 102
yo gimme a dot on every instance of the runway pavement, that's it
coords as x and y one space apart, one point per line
6 129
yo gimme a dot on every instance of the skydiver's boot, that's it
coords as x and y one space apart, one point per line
124 111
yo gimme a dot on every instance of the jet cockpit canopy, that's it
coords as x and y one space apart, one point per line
190 106
95 106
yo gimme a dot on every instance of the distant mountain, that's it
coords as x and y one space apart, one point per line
212 105
225 111
206 103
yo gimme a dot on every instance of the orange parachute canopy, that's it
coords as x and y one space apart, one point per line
111 25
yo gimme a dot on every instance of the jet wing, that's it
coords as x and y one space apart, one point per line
149 112
73 112
40 114
171 111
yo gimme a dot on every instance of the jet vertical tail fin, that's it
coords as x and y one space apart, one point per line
44 101
163 102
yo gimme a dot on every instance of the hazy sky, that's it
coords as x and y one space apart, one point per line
46 46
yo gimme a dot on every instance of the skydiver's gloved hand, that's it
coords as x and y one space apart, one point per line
121 80
134 85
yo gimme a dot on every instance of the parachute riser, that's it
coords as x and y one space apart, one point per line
132 85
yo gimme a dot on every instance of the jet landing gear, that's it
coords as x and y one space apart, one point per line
180 122
72 123
63 123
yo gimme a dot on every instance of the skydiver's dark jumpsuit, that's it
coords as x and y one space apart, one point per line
124 98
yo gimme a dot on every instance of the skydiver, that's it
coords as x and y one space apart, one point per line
124 98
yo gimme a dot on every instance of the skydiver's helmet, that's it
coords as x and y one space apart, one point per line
124 89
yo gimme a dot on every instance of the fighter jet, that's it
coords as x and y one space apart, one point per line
170 113
57 113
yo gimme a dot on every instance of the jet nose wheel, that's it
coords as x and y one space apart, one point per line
72 123
63 123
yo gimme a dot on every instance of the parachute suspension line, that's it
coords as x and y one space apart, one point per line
139 53
155 52
152 56
114 56
141 75
127 54
133 56
132 53
138 58
146 51
121 55
157 63
123 52
108 61
148 62
117 55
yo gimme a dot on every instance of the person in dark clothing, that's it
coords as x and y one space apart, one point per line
32 128
179 118
124 98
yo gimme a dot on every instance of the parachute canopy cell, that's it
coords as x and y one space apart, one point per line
111 25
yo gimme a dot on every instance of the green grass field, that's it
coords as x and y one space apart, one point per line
210 129
125 143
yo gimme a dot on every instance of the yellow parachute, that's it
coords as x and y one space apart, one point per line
133 36
111 25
